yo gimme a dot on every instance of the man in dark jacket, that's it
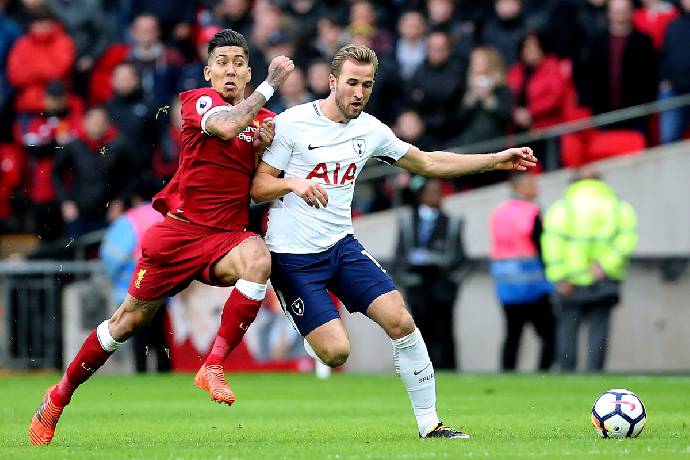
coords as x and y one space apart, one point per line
436 86
429 265
675 74
90 174
620 66
132 114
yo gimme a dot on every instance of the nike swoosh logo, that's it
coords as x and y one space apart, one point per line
419 372
312 147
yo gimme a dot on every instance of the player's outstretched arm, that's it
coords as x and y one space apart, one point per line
267 186
448 164
227 124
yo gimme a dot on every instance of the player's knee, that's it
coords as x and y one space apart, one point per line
336 354
257 266
400 325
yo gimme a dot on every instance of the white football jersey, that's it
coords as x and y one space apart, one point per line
309 145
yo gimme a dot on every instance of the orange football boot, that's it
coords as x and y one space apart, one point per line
212 379
42 428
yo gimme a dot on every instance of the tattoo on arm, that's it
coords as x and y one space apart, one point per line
227 124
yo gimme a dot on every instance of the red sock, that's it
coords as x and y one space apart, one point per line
90 358
239 313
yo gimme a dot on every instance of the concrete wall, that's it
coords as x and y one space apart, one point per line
648 327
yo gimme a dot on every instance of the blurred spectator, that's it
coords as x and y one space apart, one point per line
621 66
45 53
166 158
410 127
192 75
653 18
362 13
517 269
436 86
468 12
538 86
91 174
175 18
505 29
485 110
12 172
132 115
231 14
330 36
459 20
429 262
305 14
282 43
675 75
573 24
119 251
268 19
88 26
588 237
42 136
293 92
410 50
9 33
157 64
317 79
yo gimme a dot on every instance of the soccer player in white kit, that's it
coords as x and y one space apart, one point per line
309 173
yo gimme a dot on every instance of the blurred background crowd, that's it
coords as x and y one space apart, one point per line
90 113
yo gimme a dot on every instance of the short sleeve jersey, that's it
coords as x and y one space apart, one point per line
309 145
211 186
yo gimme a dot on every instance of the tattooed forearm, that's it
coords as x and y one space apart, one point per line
227 124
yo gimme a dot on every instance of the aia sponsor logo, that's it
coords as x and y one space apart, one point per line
338 176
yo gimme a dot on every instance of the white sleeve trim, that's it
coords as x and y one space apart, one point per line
216 109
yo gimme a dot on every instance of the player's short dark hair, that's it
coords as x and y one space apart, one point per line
228 37
357 53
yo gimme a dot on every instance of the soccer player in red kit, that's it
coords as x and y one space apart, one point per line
203 235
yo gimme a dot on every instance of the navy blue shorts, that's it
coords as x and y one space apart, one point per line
303 281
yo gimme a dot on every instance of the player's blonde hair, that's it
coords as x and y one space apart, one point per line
357 53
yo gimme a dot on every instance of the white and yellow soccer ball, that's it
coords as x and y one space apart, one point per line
618 413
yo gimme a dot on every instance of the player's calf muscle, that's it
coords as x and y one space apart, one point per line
132 314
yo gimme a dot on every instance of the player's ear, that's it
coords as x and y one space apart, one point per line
207 73
332 82
249 69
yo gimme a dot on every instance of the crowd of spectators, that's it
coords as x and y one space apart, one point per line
88 89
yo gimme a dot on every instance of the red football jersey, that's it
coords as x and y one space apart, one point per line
211 185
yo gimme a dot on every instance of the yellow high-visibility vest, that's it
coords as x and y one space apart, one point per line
589 225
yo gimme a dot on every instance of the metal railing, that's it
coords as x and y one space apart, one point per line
32 300
549 135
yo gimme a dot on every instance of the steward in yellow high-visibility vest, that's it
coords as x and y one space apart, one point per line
586 242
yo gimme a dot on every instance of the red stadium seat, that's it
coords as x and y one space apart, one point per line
605 144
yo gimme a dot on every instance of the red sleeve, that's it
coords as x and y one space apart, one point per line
18 72
548 92
199 104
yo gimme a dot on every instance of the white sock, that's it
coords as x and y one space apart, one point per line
105 339
412 363
251 290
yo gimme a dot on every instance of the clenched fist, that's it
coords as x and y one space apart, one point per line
278 70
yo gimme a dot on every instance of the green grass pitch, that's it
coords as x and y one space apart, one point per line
349 416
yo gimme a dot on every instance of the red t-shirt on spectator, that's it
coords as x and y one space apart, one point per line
211 186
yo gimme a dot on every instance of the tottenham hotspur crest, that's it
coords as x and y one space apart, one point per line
297 307
360 146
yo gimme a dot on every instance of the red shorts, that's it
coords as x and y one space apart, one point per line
174 253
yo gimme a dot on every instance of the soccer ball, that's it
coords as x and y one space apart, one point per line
618 413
